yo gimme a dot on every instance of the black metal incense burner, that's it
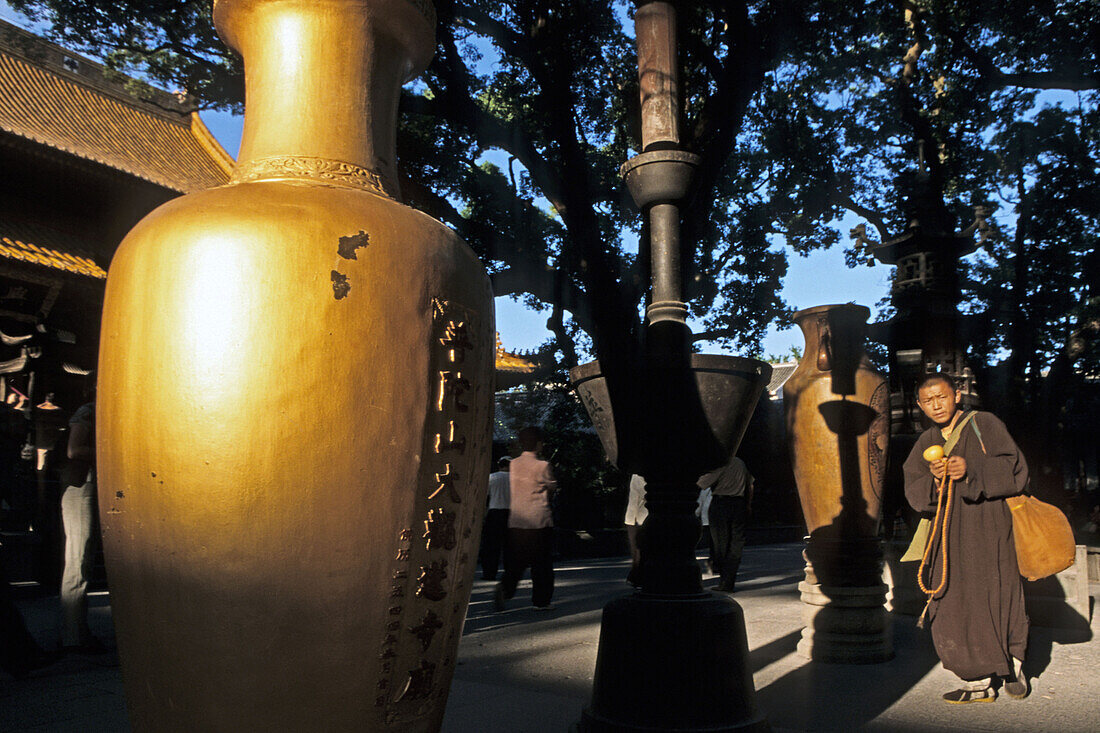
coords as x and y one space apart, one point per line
671 656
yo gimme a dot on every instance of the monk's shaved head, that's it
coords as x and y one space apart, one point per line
938 377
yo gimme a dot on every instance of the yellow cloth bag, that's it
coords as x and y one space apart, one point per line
1044 539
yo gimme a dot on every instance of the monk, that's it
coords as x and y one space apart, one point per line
979 625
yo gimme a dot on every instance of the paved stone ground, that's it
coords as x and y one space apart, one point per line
523 670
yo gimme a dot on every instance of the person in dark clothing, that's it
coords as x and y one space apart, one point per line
979 625
50 424
495 529
731 497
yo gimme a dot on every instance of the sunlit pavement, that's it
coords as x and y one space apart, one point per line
528 670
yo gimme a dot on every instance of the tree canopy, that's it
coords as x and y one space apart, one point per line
802 110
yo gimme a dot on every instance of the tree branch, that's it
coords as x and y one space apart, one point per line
994 78
874 217
1046 80
455 102
544 284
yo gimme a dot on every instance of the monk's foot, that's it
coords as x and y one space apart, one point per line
1019 687
960 697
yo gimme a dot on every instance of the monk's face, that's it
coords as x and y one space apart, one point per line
938 401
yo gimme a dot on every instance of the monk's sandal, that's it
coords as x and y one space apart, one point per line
1018 688
960 697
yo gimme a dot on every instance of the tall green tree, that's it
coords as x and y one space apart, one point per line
801 110
551 87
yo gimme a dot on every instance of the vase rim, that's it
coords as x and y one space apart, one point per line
819 309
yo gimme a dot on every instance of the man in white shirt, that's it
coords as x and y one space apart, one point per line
636 512
530 524
495 529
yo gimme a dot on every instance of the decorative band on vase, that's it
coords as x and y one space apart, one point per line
322 170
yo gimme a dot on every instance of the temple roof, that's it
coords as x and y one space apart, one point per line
66 102
780 374
509 362
45 246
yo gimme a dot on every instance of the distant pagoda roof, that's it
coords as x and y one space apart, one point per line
66 102
917 239
509 362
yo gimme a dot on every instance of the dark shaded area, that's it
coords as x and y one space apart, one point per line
846 552
844 697
775 649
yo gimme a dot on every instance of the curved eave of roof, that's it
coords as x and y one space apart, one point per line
16 249
780 374
59 110
506 362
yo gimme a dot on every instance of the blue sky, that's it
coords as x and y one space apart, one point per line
822 277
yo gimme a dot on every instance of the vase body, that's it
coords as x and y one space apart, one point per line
838 427
295 393
837 423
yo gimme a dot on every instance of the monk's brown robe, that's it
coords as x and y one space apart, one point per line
978 621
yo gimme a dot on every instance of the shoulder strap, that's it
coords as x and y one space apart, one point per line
957 433
978 432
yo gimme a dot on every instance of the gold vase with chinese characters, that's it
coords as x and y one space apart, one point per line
295 393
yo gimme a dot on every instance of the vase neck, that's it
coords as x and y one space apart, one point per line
322 84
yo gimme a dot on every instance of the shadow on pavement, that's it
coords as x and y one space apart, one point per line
819 696
773 651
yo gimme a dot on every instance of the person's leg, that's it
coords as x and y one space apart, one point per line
496 524
708 545
516 559
738 518
542 567
720 533
483 546
47 525
635 553
76 517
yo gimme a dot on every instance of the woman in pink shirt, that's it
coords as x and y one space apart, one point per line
530 524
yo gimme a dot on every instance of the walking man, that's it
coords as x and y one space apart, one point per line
494 531
731 498
979 625
636 512
530 524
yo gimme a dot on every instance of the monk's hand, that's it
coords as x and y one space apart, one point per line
956 468
938 467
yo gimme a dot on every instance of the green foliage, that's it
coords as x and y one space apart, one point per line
792 354
172 43
801 111
591 491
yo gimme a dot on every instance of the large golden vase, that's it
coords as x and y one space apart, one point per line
295 405
837 423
